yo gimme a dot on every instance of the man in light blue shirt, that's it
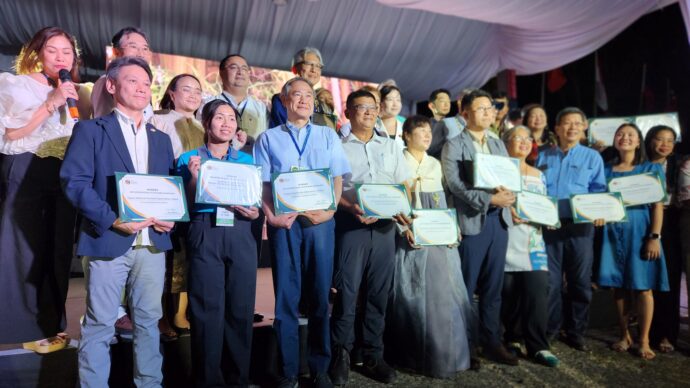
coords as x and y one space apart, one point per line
570 169
302 250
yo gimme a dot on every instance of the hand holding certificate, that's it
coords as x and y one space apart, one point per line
225 183
142 196
604 206
435 227
537 208
492 171
639 189
301 191
382 200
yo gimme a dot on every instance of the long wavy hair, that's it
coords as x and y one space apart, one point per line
29 61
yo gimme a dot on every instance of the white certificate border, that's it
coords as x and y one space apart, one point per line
277 199
401 187
553 201
257 169
579 219
475 172
649 174
122 206
450 212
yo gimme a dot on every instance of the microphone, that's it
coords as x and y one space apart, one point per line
65 76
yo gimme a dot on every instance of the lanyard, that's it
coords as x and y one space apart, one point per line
239 112
210 156
294 141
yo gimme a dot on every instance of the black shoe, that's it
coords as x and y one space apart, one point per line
501 355
356 356
340 366
288 383
475 364
575 343
322 381
378 370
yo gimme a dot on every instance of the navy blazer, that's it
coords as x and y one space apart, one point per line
95 152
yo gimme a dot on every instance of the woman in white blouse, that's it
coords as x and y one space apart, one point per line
391 105
36 221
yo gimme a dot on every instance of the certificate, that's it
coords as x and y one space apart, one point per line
225 183
537 208
639 189
381 200
301 191
435 227
590 207
491 171
142 196
602 130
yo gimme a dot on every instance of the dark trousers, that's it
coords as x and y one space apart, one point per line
365 256
525 308
666 320
222 291
303 254
571 251
483 259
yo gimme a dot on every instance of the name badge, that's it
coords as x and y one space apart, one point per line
224 217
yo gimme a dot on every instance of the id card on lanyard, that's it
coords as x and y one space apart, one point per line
224 217
300 151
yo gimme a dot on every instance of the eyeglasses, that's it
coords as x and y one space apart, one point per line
136 47
313 65
485 109
233 67
523 139
366 108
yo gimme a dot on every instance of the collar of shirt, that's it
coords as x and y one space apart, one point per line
292 128
126 122
228 97
474 138
351 138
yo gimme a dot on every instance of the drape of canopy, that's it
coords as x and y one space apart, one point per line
422 44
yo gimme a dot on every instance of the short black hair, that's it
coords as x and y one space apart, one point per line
435 93
209 110
118 63
221 66
388 89
500 94
124 32
350 103
468 98
569 111
414 122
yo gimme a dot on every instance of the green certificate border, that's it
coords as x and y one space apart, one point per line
202 200
525 217
579 219
370 213
417 237
279 207
475 172
653 174
128 214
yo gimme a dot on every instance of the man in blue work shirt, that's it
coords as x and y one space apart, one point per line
570 168
302 250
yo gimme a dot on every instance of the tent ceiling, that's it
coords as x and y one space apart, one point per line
422 44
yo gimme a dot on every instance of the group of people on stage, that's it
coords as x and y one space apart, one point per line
506 290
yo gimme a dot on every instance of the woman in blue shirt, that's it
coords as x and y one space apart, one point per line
222 262
631 254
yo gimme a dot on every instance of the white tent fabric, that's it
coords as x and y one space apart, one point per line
422 44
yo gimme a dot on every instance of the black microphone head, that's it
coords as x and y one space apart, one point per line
64 75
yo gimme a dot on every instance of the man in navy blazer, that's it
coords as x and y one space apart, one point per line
119 254
484 217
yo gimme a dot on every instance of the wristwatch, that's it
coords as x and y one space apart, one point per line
654 236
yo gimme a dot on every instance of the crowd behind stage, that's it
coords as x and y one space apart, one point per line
503 293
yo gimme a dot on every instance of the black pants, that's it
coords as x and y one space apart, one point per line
525 308
222 291
364 257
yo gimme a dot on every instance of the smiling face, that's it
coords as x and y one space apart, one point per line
187 95
131 89
536 121
441 105
310 68
391 105
223 125
134 45
571 128
57 54
235 74
520 143
299 101
480 115
662 144
419 139
626 139
363 113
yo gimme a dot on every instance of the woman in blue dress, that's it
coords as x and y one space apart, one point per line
631 254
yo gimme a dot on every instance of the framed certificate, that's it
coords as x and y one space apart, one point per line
382 200
301 191
142 196
602 130
639 189
226 183
491 171
435 227
590 207
537 208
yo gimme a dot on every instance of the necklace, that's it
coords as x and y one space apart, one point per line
51 81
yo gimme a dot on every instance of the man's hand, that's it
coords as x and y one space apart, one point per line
132 227
599 222
410 239
502 197
359 215
162 226
516 219
285 221
403 220
319 216
251 212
